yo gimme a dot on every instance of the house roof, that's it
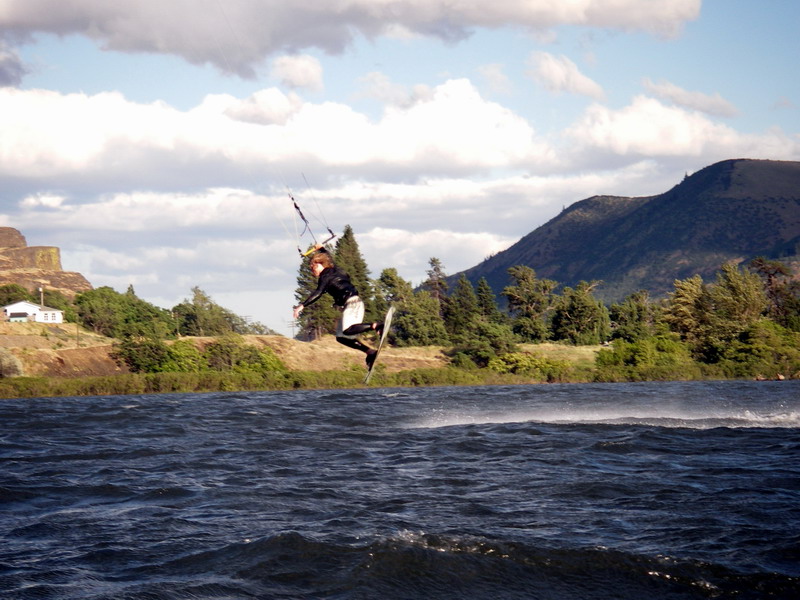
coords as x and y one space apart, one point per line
30 306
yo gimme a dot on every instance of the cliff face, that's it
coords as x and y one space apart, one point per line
33 267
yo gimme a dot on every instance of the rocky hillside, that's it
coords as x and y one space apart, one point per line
33 267
734 210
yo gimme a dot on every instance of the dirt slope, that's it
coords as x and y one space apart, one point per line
68 351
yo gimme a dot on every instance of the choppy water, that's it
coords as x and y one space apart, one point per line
631 491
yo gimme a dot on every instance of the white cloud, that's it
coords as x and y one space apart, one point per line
298 72
560 74
710 104
648 128
237 35
44 200
265 107
47 134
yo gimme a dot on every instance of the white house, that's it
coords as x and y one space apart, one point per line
28 311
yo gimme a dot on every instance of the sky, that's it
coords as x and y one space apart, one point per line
157 143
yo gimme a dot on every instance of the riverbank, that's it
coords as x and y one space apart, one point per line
65 360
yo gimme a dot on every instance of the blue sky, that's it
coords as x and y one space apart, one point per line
154 142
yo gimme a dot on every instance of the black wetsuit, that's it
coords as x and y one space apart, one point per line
337 283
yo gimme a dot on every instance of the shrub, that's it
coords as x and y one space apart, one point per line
531 365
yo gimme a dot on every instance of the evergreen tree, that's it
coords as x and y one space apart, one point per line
709 318
635 318
579 317
110 313
416 320
529 301
347 256
687 310
319 318
487 303
782 290
462 308
436 284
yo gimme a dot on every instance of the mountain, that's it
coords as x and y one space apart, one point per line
733 210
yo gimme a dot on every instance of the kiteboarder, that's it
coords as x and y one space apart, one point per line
336 282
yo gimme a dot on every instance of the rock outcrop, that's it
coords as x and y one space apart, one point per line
33 267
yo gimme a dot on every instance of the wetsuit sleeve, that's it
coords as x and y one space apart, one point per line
322 287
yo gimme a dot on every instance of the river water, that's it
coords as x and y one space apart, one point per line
624 491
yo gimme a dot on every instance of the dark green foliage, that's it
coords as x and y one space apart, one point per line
529 301
416 320
635 318
318 318
483 340
461 309
436 284
112 314
226 353
709 318
142 355
231 353
487 302
347 256
13 292
201 316
763 349
782 291
530 365
579 318
662 357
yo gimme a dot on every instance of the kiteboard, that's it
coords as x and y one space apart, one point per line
387 324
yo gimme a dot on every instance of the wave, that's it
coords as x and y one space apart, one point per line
737 419
413 565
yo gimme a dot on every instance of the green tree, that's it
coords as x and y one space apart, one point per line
416 321
709 318
13 292
482 341
319 318
184 357
487 302
348 257
112 314
782 291
142 355
688 310
579 317
231 353
529 301
436 284
635 318
462 308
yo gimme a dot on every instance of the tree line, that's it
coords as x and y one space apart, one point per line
744 323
